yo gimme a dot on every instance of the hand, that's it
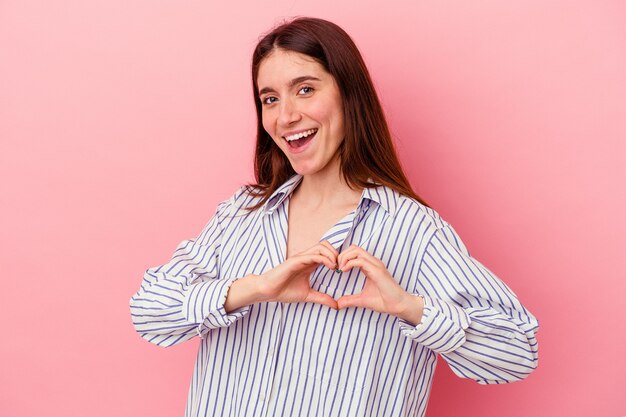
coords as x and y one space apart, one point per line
289 282
381 292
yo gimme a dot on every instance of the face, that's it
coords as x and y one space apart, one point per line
302 110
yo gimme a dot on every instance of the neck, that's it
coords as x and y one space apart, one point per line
327 188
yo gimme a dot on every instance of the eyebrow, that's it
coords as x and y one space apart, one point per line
293 82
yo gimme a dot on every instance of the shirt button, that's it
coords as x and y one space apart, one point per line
262 397
270 351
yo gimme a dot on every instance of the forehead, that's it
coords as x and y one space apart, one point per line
282 66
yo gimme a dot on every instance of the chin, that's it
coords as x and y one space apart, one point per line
302 171
305 169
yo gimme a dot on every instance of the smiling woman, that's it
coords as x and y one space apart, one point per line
328 287
302 110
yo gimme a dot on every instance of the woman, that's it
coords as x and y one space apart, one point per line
328 287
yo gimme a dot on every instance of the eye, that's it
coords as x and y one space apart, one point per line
268 100
306 90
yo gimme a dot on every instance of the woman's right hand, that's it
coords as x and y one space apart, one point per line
289 282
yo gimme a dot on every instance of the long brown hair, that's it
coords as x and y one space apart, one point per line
367 151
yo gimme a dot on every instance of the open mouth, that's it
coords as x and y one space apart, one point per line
300 139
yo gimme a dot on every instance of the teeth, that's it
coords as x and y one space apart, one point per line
300 135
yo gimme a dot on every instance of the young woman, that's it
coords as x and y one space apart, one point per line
328 287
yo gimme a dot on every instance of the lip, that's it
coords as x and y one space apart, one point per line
302 148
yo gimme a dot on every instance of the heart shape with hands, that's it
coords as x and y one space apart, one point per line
289 282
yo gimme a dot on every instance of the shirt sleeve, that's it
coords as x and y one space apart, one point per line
185 297
471 317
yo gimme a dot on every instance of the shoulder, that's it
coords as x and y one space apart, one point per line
239 203
401 207
407 206
429 223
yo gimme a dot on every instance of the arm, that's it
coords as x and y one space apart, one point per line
471 317
186 296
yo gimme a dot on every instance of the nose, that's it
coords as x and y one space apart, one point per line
288 113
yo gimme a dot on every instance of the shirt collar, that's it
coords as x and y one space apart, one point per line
281 193
386 197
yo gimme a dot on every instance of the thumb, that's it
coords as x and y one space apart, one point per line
354 300
321 298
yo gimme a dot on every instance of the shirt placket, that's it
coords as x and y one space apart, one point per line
275 238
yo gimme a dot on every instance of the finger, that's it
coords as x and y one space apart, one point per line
347 257
365 254
327 244
330 253
321 298
356 262
364 265
355 300
303 261
321 249
358 252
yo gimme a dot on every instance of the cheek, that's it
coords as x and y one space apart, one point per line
337 126
266 124
268 119
328 112
319 111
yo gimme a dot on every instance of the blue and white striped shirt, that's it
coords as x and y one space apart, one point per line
306 359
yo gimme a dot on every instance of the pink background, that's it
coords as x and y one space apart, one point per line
123 123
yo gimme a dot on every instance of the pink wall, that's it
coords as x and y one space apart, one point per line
122 124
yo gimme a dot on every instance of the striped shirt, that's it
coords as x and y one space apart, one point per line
306 359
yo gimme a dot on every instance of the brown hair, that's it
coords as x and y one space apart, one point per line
367 150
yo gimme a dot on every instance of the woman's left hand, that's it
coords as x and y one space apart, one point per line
381 292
